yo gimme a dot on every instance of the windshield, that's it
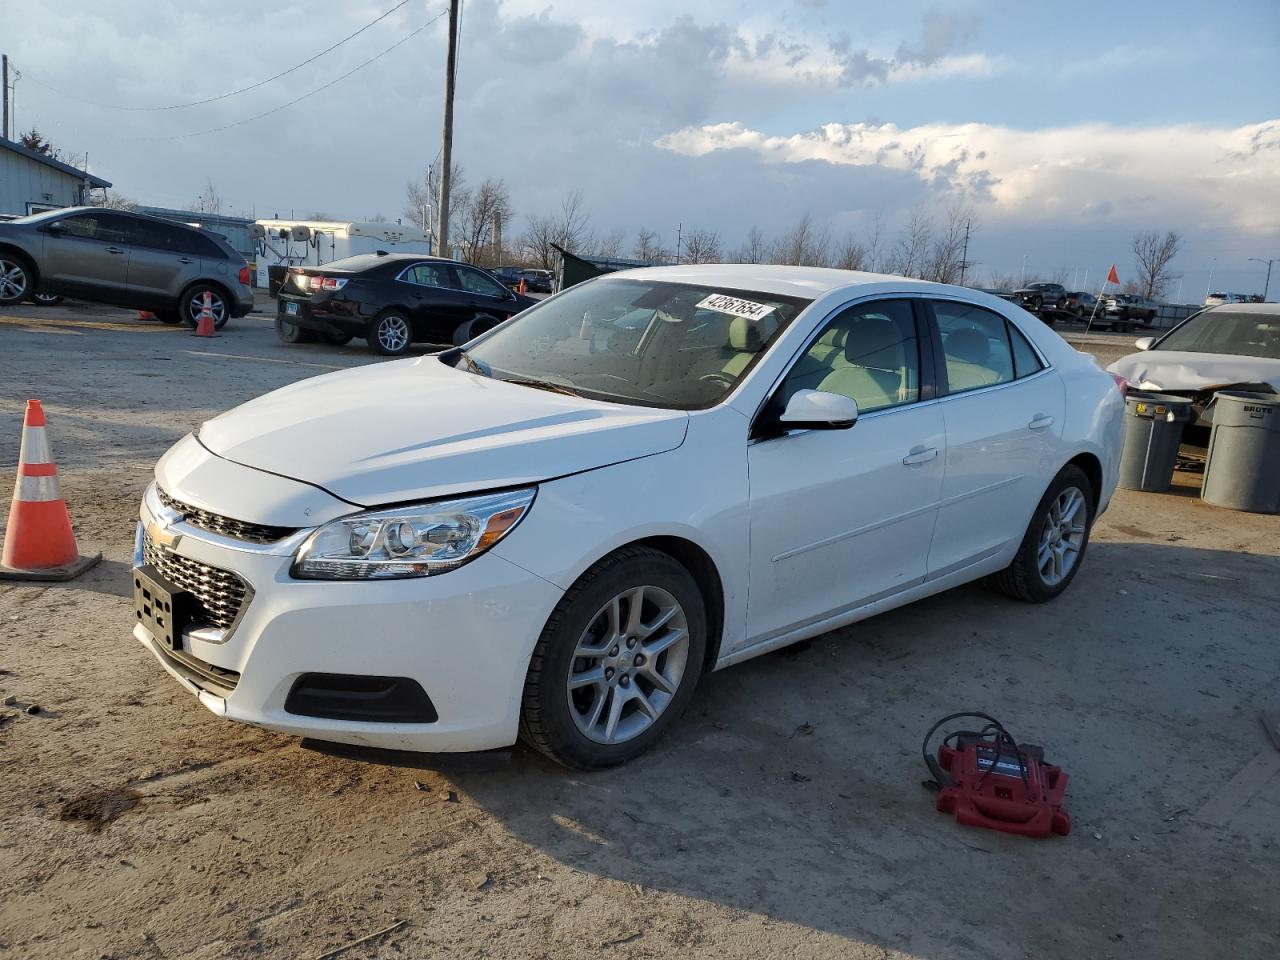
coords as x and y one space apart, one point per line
1239 334
639 341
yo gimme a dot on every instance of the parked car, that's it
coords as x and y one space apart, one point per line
392 301
559 527
1082 303
1217 299
125 259
1123 311
998 292
1234 346
538 281
1037 295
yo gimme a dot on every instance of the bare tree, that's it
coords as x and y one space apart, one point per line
911 251
566 229
648 245
1001 281
1152 254
475 218
755 249
944 262
875 239
102 197
702 246
850 255
209 200
422 199
320 215
806 244
610 245
379 217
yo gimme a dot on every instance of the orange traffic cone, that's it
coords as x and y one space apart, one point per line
523 288
146 315
204 327
38 542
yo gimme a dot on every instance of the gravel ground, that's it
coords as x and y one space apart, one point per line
783 818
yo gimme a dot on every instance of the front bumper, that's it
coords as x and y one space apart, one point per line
465 636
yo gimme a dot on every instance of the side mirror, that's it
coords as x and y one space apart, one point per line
1144 343
818 410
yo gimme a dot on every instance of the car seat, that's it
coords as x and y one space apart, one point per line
969 361
873 366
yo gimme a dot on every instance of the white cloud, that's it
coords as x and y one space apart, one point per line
1188 174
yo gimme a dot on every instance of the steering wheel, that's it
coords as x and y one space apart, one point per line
722 378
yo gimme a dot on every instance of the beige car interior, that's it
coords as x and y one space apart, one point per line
868 357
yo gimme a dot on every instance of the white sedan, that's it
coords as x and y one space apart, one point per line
554 531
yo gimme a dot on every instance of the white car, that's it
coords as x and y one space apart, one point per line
1232 346
554 531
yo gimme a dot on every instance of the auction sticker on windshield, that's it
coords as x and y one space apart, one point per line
735 306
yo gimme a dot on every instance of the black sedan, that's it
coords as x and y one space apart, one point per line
393 301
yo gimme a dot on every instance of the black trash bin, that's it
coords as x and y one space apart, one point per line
1152 433
1243 468
275 278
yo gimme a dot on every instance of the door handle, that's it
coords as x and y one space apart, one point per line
185 260
919 455
1040 421
114 250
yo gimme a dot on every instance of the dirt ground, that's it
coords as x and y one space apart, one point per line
783 818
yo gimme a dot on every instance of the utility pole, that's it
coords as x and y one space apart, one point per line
679 235
964 257
4 131
446 149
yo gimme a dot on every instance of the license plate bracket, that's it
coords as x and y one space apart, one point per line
162 607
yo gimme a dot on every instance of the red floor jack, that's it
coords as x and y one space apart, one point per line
988 780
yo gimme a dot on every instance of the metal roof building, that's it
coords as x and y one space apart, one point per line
31 181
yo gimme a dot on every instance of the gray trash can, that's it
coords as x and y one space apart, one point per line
1152 433
1243 469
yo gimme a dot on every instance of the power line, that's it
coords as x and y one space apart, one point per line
233 93
311 93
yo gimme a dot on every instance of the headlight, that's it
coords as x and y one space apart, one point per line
413 541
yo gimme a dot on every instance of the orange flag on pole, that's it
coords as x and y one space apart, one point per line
1113 277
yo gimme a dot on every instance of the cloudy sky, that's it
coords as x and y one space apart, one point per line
1068 126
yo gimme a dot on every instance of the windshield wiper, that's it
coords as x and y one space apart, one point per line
471 363
542 385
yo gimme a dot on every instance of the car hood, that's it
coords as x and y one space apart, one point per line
418 429
1178 370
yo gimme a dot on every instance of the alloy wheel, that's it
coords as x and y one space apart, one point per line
393 334
216 306
1062 536
628 665
13 280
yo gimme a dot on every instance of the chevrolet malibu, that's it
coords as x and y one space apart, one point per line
552 532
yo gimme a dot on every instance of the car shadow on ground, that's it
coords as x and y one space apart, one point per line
792 787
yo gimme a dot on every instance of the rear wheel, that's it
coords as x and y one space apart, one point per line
1055 542
390 334
15 280
617 661
290 332
193 302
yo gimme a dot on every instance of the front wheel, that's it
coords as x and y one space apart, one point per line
390 335
15 281
290 332
193 303
1055 542
617 661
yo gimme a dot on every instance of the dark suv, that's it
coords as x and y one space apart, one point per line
125 259
1037 295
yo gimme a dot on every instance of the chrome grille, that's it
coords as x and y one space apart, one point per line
220 593
224 526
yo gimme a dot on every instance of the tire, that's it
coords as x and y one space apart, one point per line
470 329
170 317
554 719
292 333
1037 303
390 334
190 302
336 339
45 299
1025 578
16 280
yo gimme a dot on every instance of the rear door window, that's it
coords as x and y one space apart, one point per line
1025 359
975 346
157 236
473 281
427 275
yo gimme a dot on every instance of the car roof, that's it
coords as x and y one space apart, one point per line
1263 308
807 282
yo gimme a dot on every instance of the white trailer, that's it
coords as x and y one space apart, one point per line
317 242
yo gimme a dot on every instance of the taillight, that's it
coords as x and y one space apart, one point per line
1121 384
330 283
244 275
